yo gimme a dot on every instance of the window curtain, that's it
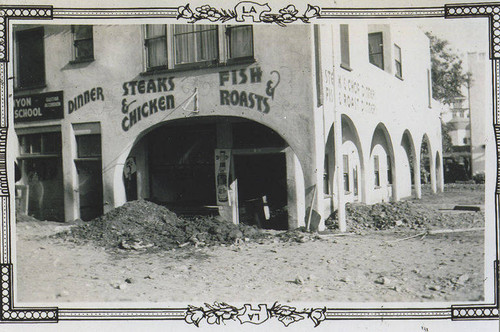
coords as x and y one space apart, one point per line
195 43
156 45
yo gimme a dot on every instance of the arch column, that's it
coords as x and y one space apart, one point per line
416 176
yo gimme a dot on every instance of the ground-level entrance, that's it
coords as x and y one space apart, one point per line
178 165
262 189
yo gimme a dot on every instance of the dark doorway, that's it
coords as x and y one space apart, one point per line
262 175
181 167
90 188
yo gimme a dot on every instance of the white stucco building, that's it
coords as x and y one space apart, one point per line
216 116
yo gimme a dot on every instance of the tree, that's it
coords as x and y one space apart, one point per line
448 76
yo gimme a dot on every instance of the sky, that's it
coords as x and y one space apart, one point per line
464 34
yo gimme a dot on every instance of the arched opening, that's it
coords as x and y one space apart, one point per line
406 173
352 159
230 166
425 160
382 166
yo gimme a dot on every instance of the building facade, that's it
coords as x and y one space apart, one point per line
222 117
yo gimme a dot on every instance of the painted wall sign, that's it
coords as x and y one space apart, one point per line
355 96
134 111
37 107
85 98
245 98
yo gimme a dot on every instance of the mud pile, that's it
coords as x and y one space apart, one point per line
142 224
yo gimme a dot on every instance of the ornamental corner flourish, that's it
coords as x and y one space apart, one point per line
248 11
220 312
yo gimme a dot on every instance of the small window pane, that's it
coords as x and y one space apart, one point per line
83 42
376 171
326 177
156 46
88 146
30 58
344 45
389 170
397 60
345 161
240 41
376 49
51 143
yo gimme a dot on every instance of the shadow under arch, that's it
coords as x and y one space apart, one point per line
213 121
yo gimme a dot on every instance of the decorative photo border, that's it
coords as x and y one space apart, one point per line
218 313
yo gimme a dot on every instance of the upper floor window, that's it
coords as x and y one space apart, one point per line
240 41
187 45
195 43
30 58
83 43
376 49
397 61
344 46
156 46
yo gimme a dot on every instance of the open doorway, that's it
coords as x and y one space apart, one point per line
262 189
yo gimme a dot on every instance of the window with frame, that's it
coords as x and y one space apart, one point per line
355 180
240 42
326 177
345 164
188 45
83 43
88 146
376 171
195 44
40 144
30 58
389 170
398 61
344 47
376 49
155 41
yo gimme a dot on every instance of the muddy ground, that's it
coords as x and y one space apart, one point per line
365 265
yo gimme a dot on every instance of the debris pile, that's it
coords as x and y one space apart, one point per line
142 224
402 214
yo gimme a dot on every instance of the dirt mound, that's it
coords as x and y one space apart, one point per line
142 224
21 217
402 214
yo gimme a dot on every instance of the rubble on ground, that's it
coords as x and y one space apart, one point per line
142 224
408 214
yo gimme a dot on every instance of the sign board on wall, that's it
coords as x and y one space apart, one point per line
37 107
222 160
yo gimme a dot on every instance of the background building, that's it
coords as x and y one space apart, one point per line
465 120
210 117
